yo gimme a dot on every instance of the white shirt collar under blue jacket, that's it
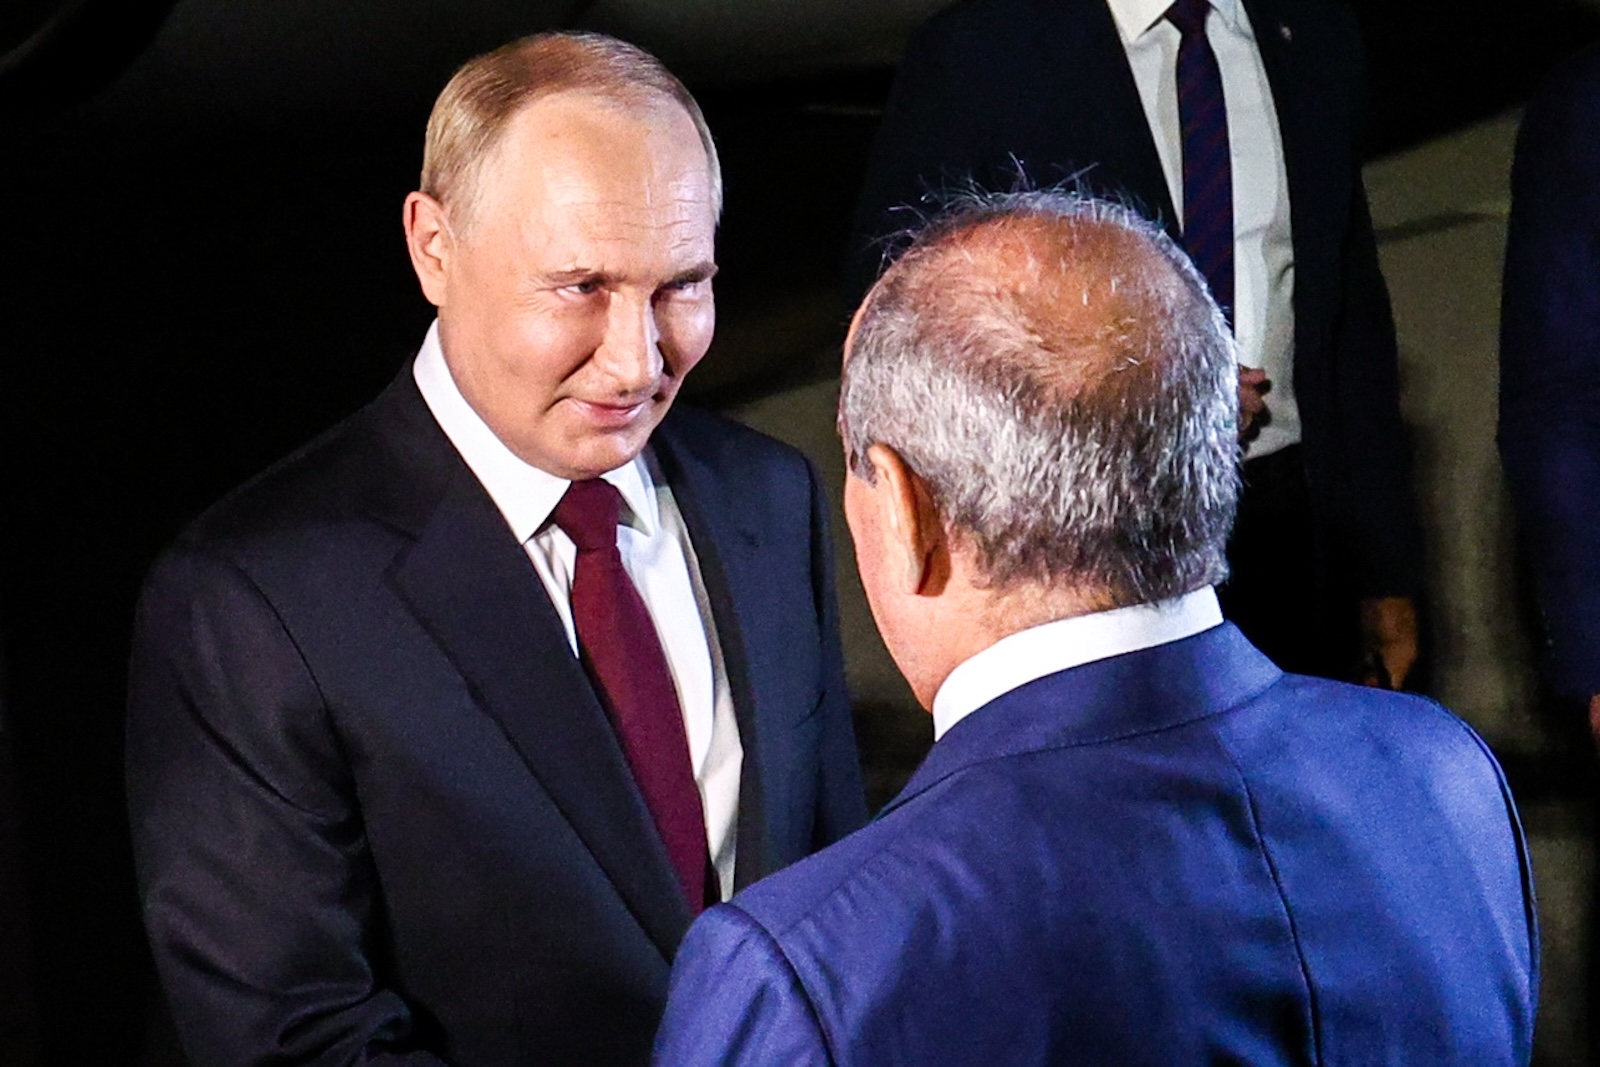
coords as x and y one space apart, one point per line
1056 646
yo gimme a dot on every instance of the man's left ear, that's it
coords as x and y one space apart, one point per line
918 548
428 239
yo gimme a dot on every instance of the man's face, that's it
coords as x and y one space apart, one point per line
577 294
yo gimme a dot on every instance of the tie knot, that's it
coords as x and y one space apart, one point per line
1189 16
588 513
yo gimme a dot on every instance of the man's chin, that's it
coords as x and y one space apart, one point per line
597 453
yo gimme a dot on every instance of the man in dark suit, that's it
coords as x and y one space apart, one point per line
443 730
1264 98
1136 840
1550 369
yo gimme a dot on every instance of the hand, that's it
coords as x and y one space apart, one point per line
1253 387
1594 720
1388 641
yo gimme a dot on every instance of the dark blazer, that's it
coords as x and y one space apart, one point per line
378 813
1176 856
988 86
1550 364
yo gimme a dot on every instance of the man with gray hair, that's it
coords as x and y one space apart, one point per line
1135 840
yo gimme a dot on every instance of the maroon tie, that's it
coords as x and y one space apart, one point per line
1207 163
623 657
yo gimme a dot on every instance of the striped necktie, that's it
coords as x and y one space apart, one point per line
1207 167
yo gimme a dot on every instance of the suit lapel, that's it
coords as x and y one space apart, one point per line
1306 58
728 550
471 585
1279 35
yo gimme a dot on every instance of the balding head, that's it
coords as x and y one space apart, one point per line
1052 368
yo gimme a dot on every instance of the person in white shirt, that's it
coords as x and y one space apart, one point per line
1326 556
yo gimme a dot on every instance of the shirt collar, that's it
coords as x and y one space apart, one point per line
524 494
1057 646
1135 18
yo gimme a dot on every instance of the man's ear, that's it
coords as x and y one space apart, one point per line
917 548
430 242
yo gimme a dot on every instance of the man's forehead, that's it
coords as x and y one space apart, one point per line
606 245
635 106
579 149
583 125
592 221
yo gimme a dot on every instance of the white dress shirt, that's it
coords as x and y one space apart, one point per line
1263 252
658 556
1031 654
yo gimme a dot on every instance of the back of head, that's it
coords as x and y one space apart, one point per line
478 103
1053 368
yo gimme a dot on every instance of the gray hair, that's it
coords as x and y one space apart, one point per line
1052 366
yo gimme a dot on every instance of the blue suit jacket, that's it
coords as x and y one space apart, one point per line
378 812
1550 364
990 84
1176 856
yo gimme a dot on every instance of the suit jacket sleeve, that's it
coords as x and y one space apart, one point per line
841 803
1379 518
1550 365
1346 357
259 898
735 999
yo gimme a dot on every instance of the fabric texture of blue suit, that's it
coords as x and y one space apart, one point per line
379 815
1550 364
988 86
1175 856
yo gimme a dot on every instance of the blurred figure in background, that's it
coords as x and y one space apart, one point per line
1236 123
1550 395
1550 369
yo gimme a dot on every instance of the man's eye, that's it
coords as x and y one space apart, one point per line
584 288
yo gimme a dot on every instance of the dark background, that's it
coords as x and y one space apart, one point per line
200 272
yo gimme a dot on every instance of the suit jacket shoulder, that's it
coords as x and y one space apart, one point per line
1173 856
389 460
742 457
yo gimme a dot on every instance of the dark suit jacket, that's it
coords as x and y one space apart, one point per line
378 813
990 85
1550 364
1176 856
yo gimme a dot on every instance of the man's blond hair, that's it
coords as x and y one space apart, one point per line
489 91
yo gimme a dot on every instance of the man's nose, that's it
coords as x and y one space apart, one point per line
631 351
